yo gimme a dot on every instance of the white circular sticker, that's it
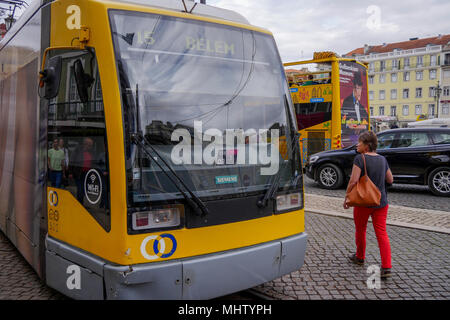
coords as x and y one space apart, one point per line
93 186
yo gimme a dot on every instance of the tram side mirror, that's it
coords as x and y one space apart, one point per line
51 77
83 81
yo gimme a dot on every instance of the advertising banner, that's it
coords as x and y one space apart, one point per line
354 101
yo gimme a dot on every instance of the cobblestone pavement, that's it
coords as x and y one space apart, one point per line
420 265
399 194
18 281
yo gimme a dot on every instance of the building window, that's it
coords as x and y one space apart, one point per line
395 64
393 93
381 113
418 92
446 74
447 59
431 109
371 111
431 92
419 75
382 65
370 95
406 62
405 93
432 74
405 110
393 77
393 111
406 76
419 61
382 78
382 95
371 79
371 66
418 109
446 91
445 108
432 60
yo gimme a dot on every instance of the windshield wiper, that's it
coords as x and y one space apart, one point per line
194 202
140 140
263 202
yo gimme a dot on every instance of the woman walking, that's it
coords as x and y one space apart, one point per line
379 173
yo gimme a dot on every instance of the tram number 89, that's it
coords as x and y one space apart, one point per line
53 216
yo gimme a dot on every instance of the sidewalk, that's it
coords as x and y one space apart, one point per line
423 219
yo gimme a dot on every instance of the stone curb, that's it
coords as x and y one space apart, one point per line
389 222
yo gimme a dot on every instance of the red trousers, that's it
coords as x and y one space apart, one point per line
361 216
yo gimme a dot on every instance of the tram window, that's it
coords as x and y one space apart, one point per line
311 114
77 147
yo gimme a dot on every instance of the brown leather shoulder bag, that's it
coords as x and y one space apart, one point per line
365 193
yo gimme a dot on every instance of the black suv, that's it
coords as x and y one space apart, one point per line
415 156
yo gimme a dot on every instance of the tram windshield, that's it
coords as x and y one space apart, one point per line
186 84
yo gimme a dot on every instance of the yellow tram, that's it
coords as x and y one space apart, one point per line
115 182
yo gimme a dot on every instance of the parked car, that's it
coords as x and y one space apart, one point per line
415 156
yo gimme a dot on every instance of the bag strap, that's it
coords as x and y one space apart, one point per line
364 159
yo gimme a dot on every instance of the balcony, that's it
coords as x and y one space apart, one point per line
399 54
408 67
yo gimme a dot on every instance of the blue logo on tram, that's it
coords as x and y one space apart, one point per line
158 241
53 198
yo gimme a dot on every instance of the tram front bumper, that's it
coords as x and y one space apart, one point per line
201 277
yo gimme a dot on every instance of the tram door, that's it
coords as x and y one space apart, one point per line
76 141
316 142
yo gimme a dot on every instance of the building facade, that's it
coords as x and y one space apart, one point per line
405 78
445 83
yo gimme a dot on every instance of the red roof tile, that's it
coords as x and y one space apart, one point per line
404 45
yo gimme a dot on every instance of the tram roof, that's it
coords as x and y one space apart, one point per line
173 5
200 9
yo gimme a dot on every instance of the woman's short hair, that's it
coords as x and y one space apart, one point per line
369 138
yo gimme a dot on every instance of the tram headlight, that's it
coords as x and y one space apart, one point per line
288 201
157 218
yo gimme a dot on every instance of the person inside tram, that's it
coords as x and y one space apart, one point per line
55 163
81 163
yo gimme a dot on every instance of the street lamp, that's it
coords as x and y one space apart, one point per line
437 94
9 21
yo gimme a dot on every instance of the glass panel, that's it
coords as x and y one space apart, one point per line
385 141
412 139
441 138
311 114
180 76
316 142
77 153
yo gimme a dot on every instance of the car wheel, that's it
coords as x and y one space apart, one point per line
330 176
439 181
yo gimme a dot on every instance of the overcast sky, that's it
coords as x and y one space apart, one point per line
301 27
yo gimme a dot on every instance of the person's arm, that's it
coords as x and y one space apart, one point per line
63 167
356 173
389 177
48 160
